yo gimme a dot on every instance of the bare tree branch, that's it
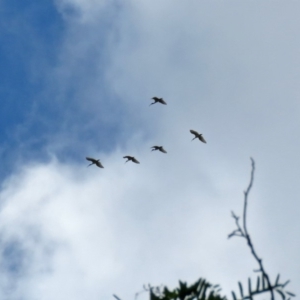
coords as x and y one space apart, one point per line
116 297
243 232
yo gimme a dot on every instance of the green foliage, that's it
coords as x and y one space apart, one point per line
200 290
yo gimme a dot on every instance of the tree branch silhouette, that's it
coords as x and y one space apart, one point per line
242 231
203 290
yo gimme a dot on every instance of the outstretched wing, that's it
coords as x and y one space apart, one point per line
201 138
127 156
162 150
194 132
93 160
135 160
155 147
98 164
155 98
162 101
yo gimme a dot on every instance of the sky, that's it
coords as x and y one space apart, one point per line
77 78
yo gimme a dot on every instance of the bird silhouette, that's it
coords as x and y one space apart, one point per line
198 136
160 100
160 148
94 162
133 159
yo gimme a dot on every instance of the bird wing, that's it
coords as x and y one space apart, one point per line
91 159
162 101
194 132
155 147
98 164
128 157
155 98
135 160
162 150
201 138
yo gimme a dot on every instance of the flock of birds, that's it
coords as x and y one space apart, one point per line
154 148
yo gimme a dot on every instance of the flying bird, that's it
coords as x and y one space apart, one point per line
198 136
160 148
160 100
133 159
94 162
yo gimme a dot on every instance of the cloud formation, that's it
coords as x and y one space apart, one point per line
227 70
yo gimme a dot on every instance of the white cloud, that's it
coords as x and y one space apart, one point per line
83 10
219 65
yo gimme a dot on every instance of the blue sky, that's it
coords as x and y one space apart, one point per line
30 38
37 108
76 80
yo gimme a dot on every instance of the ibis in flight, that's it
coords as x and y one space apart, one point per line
94 162
160 148
197 136
133 159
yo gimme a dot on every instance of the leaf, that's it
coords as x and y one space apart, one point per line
193 289
201 288
257 284
153 296
249 287
233 296
241 289
206 285
281 294
183 290
182 284
286 283
169 294
277 279
263 281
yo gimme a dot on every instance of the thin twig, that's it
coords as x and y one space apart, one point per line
243 232
246 193
239 231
